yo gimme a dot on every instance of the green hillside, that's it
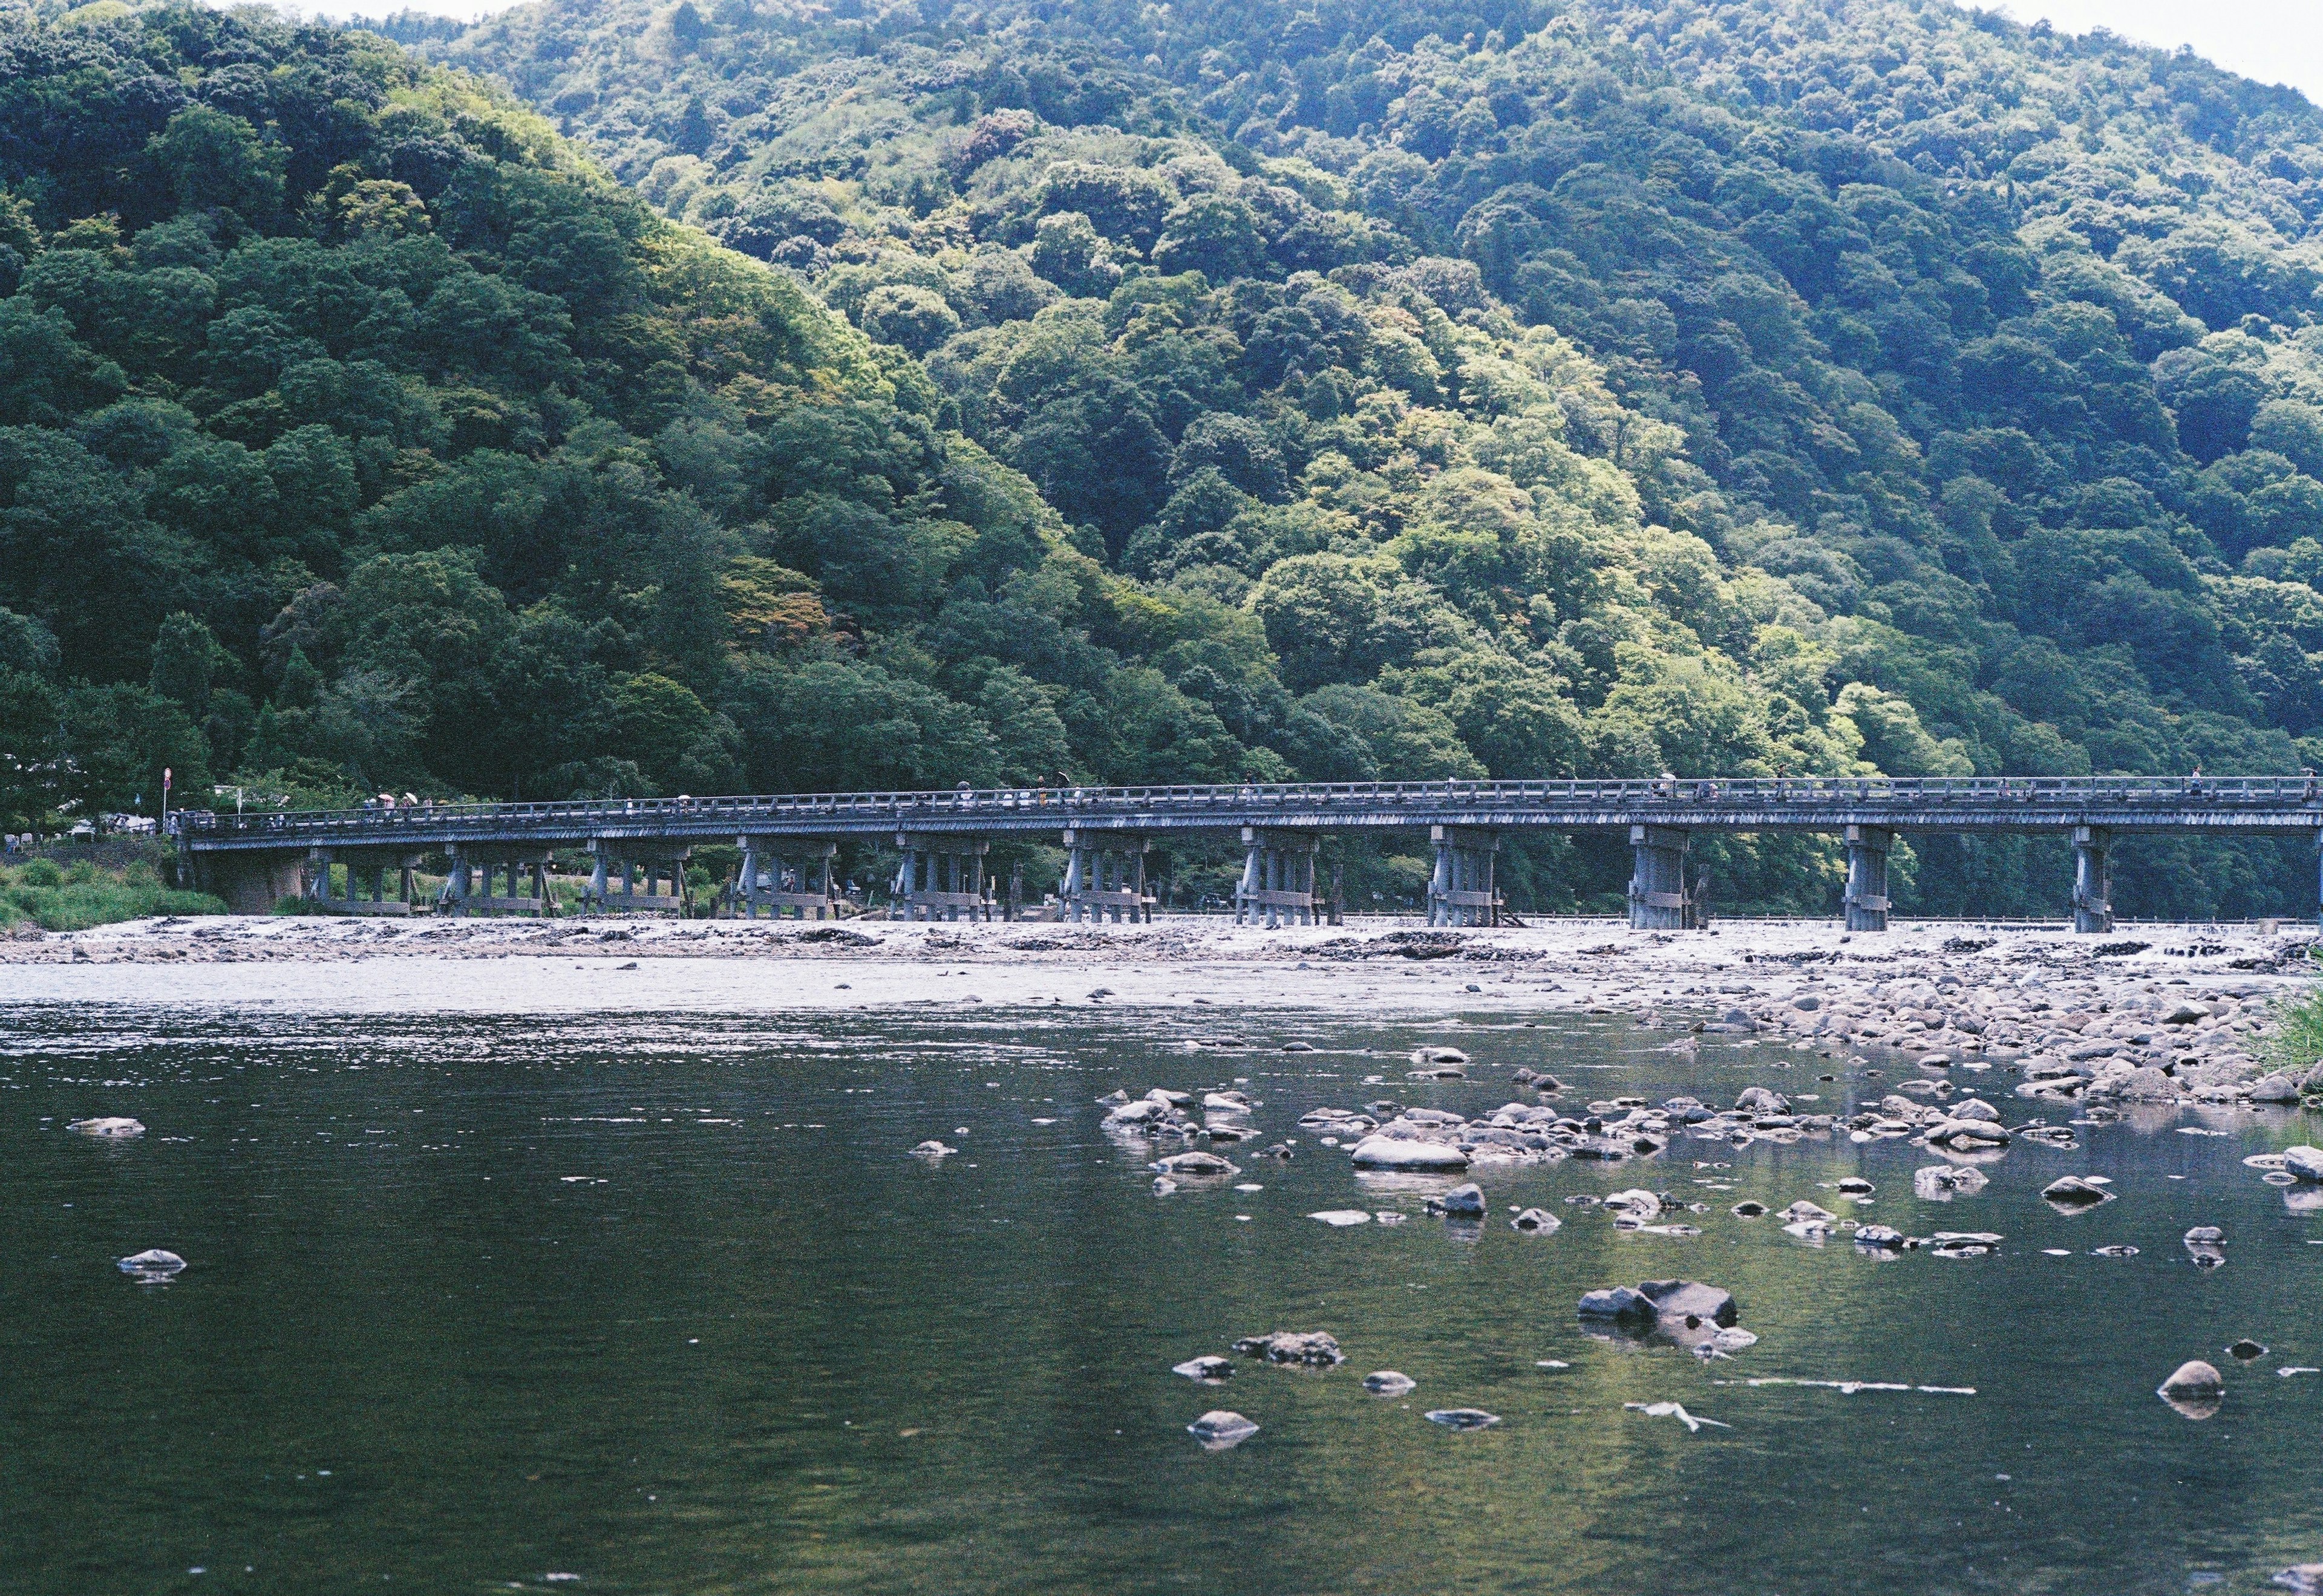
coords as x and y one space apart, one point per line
1153 396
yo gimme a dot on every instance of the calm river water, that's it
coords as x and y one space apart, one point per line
658 1302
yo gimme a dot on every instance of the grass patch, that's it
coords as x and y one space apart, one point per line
84 895
2297 1044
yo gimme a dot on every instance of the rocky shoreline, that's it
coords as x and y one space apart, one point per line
2160 1013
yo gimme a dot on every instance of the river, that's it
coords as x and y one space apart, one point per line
489 1295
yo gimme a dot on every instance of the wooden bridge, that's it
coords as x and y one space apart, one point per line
788 842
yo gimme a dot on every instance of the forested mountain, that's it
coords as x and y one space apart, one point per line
1176 393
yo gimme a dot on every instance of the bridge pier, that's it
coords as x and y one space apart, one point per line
516 868
2092 878
1462 890
366 867
1867 877
1104 875
1278 877
941 877
767 882
624 864
1658 900
250 881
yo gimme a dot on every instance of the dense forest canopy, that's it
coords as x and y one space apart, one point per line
1160 393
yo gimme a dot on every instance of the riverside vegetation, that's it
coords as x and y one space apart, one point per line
1238 393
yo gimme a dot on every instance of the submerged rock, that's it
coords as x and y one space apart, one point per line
1462 1418
1204 1369
1316 1349
155 1263
1194 1166
1219 1428
2072 1193
1387 1382
1942 1182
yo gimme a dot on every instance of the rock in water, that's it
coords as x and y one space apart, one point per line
2196 1389
2070 1192
1204 1369
1387 1382
1466 1202
1391 1153
2305 1162
1462 1418
1435 1055
155 1263
1536 1222
2307 1578
1186 1166
1942 1182
1689 1302
2246 1351
1314 1348
113 1127
1748 1210
1218 1429
1339 1218
933 1150
1621 1306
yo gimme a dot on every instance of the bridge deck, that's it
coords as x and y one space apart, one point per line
2121 804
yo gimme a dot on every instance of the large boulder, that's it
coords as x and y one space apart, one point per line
2305 1162
1394 1152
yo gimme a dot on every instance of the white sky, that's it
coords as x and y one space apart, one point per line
2272 40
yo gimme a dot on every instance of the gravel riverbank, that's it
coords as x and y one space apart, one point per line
2156 1012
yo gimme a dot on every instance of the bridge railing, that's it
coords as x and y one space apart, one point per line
1898 793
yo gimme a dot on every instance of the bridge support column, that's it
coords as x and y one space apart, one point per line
1867 877
941 877
772 881
621 861
1278 878
1462 892
1104 875
1657 895
2092 878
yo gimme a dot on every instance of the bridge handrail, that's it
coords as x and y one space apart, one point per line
1066 802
